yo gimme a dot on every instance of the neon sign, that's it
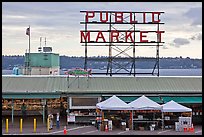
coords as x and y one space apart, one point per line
78 72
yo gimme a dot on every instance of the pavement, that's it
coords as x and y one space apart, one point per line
76 129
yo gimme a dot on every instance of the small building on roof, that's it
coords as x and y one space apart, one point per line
43 63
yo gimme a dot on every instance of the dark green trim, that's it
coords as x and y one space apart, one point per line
127 99
156 99
30 95
183 99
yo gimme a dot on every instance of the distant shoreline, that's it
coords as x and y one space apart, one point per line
66 62
163 72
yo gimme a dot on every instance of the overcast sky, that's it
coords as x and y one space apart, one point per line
59 22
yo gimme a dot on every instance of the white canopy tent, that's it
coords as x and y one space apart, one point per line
144 103
113 103
173 106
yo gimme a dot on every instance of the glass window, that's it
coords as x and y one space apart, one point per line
84 101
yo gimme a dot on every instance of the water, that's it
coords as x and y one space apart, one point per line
165 72
162 72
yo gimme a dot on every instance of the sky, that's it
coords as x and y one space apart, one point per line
59 22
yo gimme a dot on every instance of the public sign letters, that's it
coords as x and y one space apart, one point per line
118 19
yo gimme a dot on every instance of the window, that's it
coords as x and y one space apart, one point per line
84 101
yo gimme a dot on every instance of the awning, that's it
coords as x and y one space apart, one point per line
30 95
183 99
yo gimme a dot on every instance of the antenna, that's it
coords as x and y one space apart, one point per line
40 41
40 48
45 41
47 49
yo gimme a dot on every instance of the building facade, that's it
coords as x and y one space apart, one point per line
79 95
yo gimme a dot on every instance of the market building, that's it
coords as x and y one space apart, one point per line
78 96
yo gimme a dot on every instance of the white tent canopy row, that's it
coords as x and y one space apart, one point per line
142 103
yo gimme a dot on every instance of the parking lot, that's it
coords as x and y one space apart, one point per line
91 130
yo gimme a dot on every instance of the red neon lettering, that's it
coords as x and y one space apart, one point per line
128 35
153 19
144 17
141 40
132 21
89 16
119 17
100 35
159 34
87 35
116 36
101 16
